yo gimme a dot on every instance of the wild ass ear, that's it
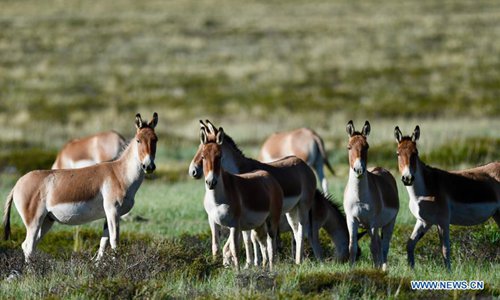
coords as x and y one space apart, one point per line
153 121
416 134
350 128
211 127
138 121
202 125
366 129
397 134
203 136
219 138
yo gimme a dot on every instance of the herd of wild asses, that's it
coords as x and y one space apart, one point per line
97 177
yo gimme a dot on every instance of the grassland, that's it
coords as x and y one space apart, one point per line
71 68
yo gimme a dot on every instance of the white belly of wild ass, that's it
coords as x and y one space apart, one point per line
77 213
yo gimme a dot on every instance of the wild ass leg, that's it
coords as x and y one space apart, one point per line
234 235
444 237
273 234
293 246
248 248
113 220
375 246
255 244
271 248
226 252
297 228
215 229
104 241
386 240
46 225
227 258
32 233
304 228
352 226
418 232
29 243
260 235
314 239
267 244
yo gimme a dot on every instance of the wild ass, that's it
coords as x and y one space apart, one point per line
249 201
327 215
294 176
437 197
370 199
307 145
304 143
78 196
90 150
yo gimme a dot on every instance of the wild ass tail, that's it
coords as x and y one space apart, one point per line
6 215
321 147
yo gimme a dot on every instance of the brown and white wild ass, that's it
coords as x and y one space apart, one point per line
249 202
370 198
90 150
307 145
437 197
78 196
304 143
294 176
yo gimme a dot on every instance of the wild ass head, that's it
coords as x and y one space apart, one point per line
196 165
358 148
407 154
211 156
146 139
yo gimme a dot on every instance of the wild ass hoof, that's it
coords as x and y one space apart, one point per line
97 257
384 267
227 264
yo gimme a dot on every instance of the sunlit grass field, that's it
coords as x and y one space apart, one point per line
169 255
72 68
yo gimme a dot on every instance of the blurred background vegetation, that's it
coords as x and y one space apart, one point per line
71 68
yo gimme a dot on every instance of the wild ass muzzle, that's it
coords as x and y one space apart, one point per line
78 196
90 150
251 202
294 176
437 197
370 199
304 143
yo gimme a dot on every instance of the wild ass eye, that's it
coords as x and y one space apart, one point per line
349 147
138 141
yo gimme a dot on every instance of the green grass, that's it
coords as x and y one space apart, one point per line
169 255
